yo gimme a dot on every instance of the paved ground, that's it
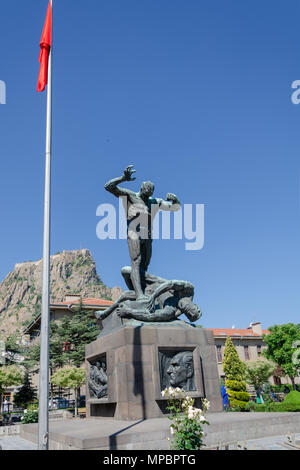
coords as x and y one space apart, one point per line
16 443
255 428
267 443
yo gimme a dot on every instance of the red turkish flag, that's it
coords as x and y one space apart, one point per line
45 45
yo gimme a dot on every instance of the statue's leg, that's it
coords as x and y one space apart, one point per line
126 273
134 244
146 252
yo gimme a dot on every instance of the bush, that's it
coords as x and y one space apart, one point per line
241 396
237 405
287 407
30 417
250 406
278 407
236 385
293 398
187 421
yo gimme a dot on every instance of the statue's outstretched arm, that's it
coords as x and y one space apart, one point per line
112 185
172 203
103 314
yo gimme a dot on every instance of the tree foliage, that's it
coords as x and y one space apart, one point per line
56 345
234 370
10 376
281 345
70 377
27 394
14 349
233 367
79 331
258 372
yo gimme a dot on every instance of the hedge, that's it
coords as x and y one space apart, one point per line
241 396
236 385
278 407
293 398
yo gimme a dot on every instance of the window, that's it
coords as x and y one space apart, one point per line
246 350
277 380
258 349
219 353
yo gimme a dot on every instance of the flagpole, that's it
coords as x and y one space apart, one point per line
43 434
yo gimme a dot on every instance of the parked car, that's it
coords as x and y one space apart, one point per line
59 403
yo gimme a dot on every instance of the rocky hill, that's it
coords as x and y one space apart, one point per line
72 272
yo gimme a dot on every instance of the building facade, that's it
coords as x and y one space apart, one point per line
249 344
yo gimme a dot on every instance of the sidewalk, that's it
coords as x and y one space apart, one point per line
152 434
16 443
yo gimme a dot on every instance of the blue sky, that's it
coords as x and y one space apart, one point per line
197 95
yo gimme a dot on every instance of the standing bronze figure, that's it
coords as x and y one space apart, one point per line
141 208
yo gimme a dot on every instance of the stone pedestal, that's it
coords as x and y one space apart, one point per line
136 358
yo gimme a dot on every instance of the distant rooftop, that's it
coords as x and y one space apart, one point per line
237 332
90 302
69 303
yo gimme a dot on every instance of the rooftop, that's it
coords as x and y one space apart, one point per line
90 302
70 302
237 332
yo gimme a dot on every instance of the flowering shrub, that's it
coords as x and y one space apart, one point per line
187 421
31 415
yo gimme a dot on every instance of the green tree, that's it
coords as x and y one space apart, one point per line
280 348
70 377
27 394
79 331
56 346
14 348
257 373
9 376
56 357
234 370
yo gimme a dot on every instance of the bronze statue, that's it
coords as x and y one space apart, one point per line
149 298
165 301
141 209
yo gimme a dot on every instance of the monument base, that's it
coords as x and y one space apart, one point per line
135 360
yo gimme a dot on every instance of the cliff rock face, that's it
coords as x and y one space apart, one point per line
72 272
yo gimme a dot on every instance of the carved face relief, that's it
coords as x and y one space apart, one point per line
181 369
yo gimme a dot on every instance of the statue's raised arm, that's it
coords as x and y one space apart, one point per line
112 185
172 203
